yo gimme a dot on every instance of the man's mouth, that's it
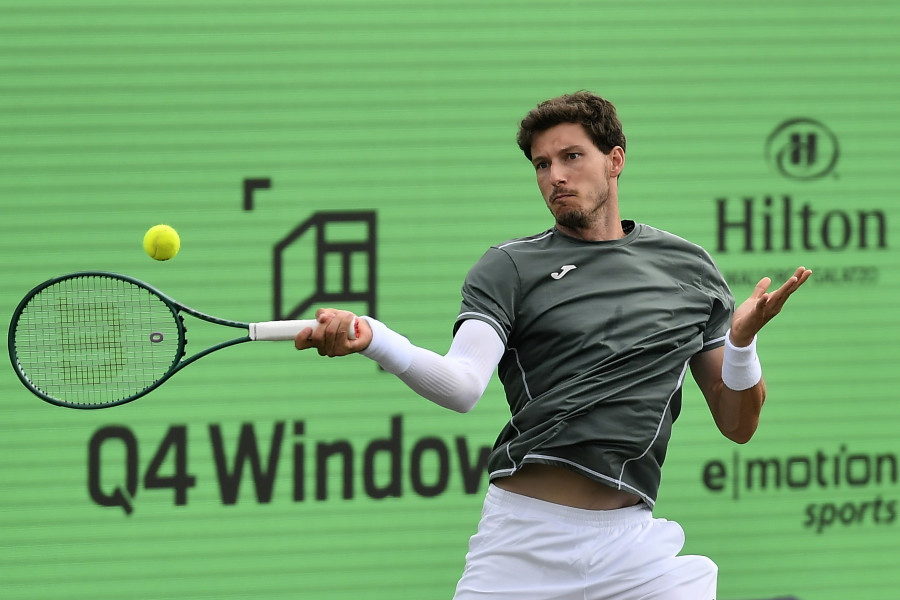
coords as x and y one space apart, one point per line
561 194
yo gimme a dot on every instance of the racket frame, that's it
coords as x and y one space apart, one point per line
178 363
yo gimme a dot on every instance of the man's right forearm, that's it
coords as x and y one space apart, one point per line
455 381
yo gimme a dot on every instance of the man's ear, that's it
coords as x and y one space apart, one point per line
616 161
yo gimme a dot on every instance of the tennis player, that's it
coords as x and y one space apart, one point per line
592 326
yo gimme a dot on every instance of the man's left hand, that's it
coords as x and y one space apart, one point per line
762 306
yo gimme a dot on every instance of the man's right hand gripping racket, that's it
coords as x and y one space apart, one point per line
94 339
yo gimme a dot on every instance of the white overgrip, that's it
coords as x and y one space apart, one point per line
286 330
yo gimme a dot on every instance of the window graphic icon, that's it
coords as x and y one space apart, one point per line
341 247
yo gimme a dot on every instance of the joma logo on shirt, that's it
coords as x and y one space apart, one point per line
562 272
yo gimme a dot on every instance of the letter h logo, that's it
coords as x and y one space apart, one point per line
802 149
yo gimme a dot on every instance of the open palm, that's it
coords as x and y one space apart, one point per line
762 306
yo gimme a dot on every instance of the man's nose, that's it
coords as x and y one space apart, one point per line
557 175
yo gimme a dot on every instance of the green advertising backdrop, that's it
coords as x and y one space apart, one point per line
286 139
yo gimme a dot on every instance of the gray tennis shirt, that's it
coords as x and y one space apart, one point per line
598 339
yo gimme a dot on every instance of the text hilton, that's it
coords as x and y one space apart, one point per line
777 224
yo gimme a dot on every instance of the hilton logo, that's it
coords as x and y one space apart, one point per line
802 149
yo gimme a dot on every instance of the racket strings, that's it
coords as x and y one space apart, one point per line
94 340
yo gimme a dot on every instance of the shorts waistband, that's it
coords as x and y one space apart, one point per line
525 505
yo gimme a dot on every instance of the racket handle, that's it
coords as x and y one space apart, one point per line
288 330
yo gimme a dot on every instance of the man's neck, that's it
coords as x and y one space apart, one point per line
599 231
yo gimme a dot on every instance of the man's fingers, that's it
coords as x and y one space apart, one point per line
303 341
800 275
761 287
331 336
787 287
777 298
762 305
793 282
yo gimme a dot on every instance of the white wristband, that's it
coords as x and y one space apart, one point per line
740 366
388 348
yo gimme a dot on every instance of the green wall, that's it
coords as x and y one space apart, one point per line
767 132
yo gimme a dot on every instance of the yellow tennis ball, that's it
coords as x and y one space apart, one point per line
161 242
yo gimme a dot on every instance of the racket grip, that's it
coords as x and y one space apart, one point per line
288 330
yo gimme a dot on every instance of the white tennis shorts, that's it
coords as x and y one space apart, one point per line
527 549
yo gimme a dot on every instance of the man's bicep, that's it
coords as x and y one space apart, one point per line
706 368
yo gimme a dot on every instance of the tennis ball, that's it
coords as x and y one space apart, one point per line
161 242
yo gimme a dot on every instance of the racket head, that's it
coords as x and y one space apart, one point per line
94 339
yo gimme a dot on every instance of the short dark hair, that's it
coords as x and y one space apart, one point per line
596 115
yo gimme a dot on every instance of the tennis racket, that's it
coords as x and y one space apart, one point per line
94 339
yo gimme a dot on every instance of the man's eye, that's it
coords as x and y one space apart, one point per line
540 165
574 155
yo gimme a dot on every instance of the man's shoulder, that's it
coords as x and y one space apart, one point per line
505 258
529 241
648 233
680 255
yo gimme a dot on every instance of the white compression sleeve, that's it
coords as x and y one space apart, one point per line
456 380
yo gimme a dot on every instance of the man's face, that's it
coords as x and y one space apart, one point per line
572 174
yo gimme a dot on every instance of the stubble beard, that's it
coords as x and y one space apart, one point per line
579 219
